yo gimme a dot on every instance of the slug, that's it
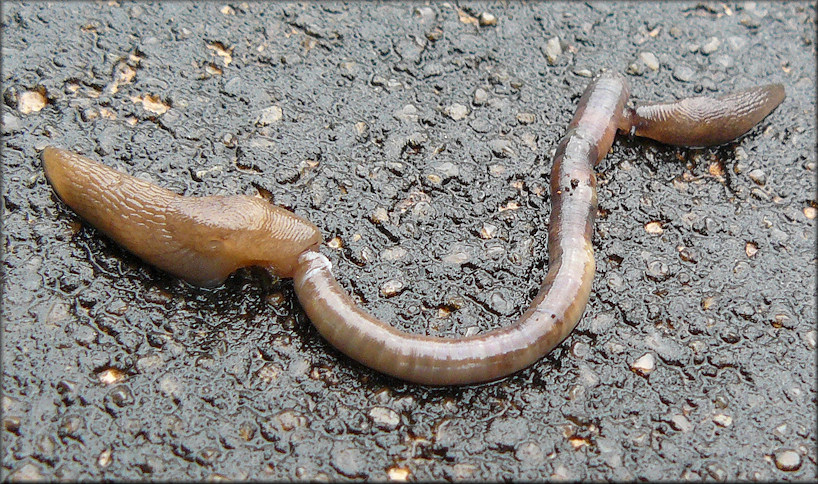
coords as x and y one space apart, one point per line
199 239
202 240
702 121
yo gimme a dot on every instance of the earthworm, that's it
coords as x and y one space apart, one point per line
204 239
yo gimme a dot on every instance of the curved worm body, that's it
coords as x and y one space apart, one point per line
204 239
199 239
552 315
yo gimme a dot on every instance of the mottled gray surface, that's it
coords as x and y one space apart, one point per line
441 130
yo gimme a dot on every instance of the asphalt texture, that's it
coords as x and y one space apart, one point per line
418 138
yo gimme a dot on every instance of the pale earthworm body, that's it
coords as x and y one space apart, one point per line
203 240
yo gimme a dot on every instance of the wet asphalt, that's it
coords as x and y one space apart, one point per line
418 138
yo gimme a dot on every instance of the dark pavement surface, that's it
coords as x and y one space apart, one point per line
418 138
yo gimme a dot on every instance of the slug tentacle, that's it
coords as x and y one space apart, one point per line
204 239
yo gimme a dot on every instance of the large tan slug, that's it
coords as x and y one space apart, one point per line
202 240
199 239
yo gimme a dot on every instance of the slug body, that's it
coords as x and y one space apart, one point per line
702 121
199 239
204 239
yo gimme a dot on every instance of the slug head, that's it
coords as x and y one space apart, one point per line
240 231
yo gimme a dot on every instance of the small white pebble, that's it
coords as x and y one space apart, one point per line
788 460
680 422
335 243
480 96
31 102
391 288
393 253
654 228
384 418
457 111
170 386
270 115
553 50
105 458
487 19
488 231
526 118
397 474
111 376
650 60
711 45
379 215
457 256
723 420
644 365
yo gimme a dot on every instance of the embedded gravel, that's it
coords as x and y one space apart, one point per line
418 138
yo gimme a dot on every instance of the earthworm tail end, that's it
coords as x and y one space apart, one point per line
702 121
201 240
